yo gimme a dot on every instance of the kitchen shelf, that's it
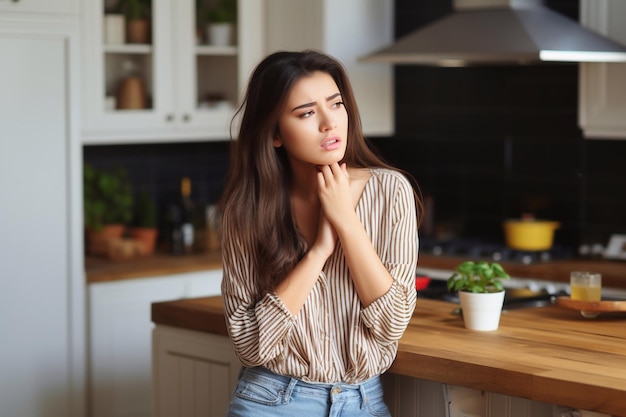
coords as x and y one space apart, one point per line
128 49
216 50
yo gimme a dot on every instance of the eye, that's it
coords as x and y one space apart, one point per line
337 104
306 114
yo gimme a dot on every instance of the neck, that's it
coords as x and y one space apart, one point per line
304 182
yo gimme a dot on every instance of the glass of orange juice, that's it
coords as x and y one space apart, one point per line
586 286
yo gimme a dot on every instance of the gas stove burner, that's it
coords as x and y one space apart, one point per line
437 250
491 251
528 258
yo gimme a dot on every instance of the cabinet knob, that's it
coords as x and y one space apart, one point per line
169 117
186 118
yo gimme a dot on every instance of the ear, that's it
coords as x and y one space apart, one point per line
276 142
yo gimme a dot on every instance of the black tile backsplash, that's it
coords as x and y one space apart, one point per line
159 168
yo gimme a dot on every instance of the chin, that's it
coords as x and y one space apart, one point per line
328 158
336 156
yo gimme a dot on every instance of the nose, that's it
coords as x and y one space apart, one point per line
327 121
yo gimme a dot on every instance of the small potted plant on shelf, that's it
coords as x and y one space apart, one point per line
481 293
107 205
137 14
145 228
221 20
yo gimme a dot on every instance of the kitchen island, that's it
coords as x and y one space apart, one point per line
547 354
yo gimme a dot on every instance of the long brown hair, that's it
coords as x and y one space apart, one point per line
256 202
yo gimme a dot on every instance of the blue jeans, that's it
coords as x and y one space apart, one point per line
262 393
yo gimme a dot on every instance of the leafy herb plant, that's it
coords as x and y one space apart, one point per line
107 197
135 9
478 277
224 12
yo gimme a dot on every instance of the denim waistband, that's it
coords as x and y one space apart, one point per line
335 390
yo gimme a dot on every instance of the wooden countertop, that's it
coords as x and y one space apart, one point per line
102 270
546 354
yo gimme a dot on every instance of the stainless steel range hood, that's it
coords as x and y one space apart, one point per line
491 32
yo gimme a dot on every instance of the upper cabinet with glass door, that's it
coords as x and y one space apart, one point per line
165 70
602 85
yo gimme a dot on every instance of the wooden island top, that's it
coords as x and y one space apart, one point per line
548 354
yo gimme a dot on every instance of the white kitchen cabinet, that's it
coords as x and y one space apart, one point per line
120 337
413 397
602 93
42 337
177 74
194 373
347 30
39 6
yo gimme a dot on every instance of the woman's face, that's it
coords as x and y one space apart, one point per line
313 125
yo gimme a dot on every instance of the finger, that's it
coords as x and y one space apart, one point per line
321 181
325 169
335 168
338 168
333 174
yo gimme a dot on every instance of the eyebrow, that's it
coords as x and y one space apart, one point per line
329 98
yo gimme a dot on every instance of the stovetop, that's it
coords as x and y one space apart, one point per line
476 248
514 298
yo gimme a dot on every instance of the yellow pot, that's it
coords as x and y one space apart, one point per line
530 235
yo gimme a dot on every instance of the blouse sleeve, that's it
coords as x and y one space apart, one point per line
388 317
259 330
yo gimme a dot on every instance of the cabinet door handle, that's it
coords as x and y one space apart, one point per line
169 118
186 118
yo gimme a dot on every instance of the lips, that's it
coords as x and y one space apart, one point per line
331 143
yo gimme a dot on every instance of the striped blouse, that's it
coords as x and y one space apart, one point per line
333 338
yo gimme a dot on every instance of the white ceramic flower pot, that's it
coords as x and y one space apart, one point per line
114 29
481 311
220 34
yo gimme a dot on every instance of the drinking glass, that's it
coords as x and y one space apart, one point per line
586 286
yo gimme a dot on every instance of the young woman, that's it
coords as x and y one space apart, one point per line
319 243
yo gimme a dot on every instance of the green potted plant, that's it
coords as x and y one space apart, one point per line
481 293
107 205
221 19
137 14
145 226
